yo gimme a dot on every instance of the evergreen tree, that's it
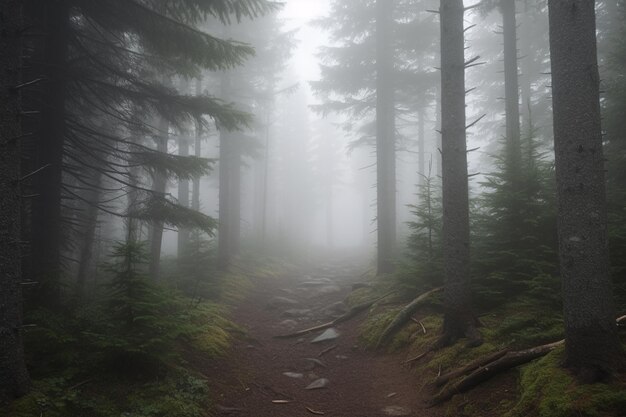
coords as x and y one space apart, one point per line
458 316
591 343
87 57
14 379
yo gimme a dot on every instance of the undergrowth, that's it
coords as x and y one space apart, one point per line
545 389
135 350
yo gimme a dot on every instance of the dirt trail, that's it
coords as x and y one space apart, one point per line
360 383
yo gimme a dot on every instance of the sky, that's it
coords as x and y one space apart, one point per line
299 14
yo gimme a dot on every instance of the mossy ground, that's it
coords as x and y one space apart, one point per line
73 375
542 388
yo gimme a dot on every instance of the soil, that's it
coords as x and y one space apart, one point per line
361 383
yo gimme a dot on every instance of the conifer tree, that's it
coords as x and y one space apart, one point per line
14 380
592 346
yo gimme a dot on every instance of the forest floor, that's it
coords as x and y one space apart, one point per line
252 380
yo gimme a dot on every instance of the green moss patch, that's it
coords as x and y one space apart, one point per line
548 390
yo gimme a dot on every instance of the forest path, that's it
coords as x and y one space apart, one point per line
359 383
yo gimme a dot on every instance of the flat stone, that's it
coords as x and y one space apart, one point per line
329 334
293 375
395 410
315 362
319 383
288 323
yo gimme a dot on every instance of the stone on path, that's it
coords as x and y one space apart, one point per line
315 362
395 410
293 375
329 334
288 323
317 384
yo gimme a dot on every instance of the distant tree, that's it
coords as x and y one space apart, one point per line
107 58
591 343
458 317
14 379
385 138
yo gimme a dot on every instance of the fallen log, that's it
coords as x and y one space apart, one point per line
470 367
403 316
507 361
344 317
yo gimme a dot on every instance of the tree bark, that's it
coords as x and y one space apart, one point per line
591 343
89 235
235 194
385 138
159 186
183 197
195 193
511 89
47 239
14 380
223 237
458 318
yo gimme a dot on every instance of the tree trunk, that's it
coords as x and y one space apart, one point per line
528 65
14 380
223 237
47 240
91 224
458 319
235 194
421 147
591 342
385 137
511 89
159 187
195 193
183 196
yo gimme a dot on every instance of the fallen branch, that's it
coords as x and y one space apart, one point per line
507 361
443 379
344 317
403 316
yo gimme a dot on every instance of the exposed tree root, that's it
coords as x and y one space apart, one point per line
470 367
404 316
484 372
485 368
344 317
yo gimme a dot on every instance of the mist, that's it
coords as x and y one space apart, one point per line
332 207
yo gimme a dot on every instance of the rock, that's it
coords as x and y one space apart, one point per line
395 410
320 383
288 323
342 357
329 334
281 302
315 362
293 375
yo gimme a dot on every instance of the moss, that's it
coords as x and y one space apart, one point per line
548 390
